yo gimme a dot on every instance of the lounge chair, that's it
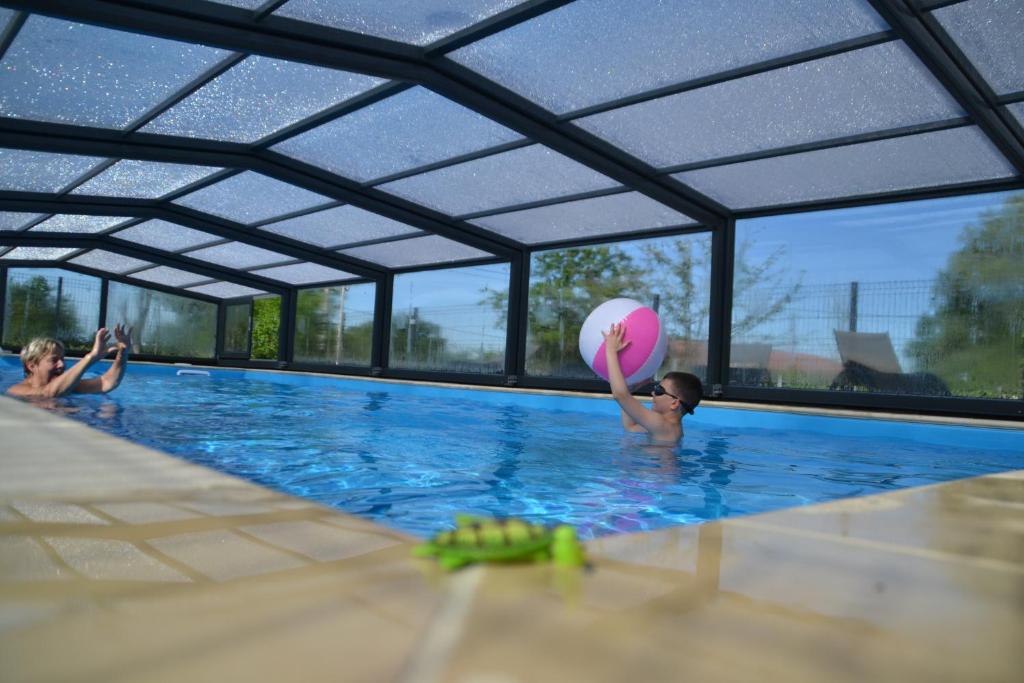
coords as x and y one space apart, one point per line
870 363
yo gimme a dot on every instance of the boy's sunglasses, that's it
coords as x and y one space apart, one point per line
660 391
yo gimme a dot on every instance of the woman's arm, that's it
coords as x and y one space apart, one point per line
109 380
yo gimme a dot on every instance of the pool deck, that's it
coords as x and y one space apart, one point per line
119 563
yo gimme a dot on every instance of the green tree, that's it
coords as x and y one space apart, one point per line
427 346
33 309
975 338
266 323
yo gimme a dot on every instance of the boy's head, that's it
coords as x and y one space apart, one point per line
39 349
687 387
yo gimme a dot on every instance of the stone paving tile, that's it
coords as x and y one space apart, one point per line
319 541
112 560
56 513
24 559
144 512
223 555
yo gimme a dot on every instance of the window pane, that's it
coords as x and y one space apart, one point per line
334 325
416 251
989 33
339 226
101 259
236 329
226 290
250 197
46 302
522 175
451 320
420 22
238 255
413 128
624 212
41 171
912 298
233 106
1017 110
170 277
930 159
143 179
266 324
164 324
876 88
670 274
164 235
304 274
15 220
593 51
37 253
66 222
75 73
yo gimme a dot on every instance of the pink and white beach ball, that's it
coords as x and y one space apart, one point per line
644 354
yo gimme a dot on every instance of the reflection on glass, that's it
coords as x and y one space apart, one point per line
913 298
47 302
236 328
334 325
164 324
670 274
450 320
266 324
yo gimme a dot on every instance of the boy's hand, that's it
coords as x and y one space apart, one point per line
123 338
99 343
614 338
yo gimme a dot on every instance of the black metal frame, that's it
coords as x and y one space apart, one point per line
259 32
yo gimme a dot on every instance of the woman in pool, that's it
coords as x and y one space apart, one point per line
43 361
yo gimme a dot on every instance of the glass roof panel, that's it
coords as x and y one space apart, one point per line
416 251
609 215
5 17
238 255
226 290
169 277
304 274
143 179
15 220
411 129
1017 109
339 225
880 87
419 22
257 97
593 51
109 261
990 33
68 222
27 171
37 253
250 197
518 176
929 159
161 234
244 4
75 73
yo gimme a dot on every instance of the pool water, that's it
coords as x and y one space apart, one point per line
410 456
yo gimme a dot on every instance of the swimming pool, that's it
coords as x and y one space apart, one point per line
410 456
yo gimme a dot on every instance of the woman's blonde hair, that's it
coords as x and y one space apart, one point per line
37 349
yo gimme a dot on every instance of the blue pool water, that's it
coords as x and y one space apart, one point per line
411 456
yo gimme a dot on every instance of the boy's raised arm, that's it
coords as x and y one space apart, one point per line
614 342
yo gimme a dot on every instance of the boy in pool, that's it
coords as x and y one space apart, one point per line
43 361
677 393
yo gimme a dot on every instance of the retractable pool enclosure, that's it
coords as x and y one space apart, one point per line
823 199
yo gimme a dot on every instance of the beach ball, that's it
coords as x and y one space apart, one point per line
648 342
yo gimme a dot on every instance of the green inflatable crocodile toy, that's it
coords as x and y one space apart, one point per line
480 539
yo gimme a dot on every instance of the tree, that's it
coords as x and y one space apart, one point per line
34 309
266 323
975 338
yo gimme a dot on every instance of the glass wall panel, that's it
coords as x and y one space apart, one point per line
450 320
266 324
164 324
334 325
670 274
47 302
913 298
237 321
